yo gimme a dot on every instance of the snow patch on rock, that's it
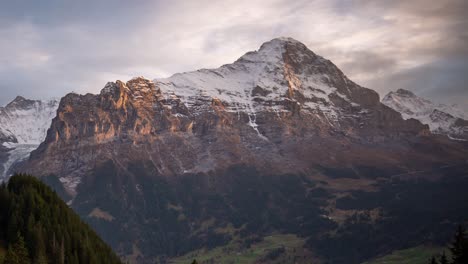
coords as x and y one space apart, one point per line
265 70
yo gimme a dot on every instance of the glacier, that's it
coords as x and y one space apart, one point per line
23 126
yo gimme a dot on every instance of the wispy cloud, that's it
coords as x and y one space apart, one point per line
54 47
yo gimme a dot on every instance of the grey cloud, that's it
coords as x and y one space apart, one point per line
55 13
366 63
52 47
431 80
424 49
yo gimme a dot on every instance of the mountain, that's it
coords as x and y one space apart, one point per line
442 119
36 226
279 144
23 126
256 105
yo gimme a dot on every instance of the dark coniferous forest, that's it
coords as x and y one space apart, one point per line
36 226
458 250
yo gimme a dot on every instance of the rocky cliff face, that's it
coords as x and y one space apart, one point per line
442 119
239 148
252 111
23 126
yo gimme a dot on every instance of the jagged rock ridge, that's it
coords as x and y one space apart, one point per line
282 72
281 84
442 119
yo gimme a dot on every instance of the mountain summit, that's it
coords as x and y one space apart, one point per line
265 99
264 145
283 71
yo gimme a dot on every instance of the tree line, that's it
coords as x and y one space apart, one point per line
458 250
36 226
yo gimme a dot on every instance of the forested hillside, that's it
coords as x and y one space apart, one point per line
36 226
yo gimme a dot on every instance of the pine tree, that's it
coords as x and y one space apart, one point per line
443 258
49 232
459 247
17 253
39 249
75 259
11 256
62 253
41 259
12 227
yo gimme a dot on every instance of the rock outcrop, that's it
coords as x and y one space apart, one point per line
253 111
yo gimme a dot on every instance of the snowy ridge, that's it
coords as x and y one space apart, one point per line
24 124
27 120
258 76
442 119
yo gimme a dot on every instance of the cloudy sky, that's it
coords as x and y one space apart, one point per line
52 47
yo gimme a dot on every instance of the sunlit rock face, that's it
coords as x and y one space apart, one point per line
159 158
254 111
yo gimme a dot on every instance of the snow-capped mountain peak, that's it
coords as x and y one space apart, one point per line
27 120
23 126
17 101
281 70
271 51
442 119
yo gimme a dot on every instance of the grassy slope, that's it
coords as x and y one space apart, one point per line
234 253
416 255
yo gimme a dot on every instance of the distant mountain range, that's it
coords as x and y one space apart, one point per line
442 119
23 126
278 142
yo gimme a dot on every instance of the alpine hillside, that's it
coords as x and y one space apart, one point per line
36 226
278 143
